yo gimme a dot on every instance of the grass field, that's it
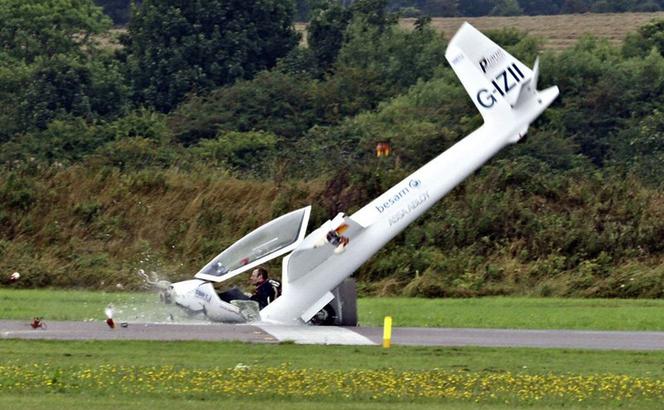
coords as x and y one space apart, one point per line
493 312
516 313
174 374
180 375
560 31
90 402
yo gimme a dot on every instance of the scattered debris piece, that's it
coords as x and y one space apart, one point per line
153 281
109 316
383 149
38 323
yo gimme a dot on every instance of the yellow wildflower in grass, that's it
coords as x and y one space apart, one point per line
383 384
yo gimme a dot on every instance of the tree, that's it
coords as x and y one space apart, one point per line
647 7
537 7
326 33
613 6
179 46
397 58
507 8
48 27
66 86
643 147
328 30
13 77
375 13
118 10
50 66
576 6
648 36
248 151
303 9
441 8
475 7
273 102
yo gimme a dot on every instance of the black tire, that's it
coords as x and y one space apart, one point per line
345 303
325 317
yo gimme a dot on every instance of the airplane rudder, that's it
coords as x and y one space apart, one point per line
492 77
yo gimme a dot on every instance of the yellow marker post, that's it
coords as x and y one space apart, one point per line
387 332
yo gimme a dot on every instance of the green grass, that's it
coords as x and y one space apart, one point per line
207 355
490 312
54 304
59 401
516 313
76 375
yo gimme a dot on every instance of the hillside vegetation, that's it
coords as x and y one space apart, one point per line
159 154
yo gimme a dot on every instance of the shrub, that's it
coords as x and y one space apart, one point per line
242 151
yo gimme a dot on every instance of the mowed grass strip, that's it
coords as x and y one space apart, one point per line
59 304
210 355
516 313
182 402
490 312
71 372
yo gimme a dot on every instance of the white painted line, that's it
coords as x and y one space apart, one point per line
325 335
20 332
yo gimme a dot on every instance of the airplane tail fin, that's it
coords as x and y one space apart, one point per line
498 83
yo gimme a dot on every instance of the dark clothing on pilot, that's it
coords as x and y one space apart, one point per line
264 294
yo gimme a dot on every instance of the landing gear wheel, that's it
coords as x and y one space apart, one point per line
324 317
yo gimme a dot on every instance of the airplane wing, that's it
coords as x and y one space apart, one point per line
329 335
330 239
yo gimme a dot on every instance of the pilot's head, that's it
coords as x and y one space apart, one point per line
258 276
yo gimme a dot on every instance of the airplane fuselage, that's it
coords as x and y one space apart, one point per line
503 89
390 213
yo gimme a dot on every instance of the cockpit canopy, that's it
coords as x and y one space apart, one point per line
271 240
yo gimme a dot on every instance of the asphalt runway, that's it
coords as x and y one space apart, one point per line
263 333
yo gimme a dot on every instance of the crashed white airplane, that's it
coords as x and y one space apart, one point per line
504 91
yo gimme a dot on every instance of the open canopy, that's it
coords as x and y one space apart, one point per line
271 240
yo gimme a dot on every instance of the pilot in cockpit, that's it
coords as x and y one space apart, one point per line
265 291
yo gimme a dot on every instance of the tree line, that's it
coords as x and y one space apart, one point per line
120 10
163 150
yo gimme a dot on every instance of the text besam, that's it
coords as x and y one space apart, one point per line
392 200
